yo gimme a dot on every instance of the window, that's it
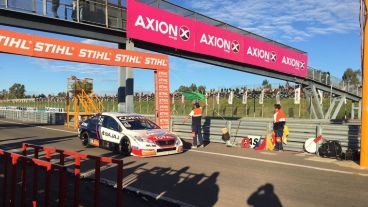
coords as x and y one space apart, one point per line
137 123
110 123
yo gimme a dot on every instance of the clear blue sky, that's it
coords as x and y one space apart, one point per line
328 30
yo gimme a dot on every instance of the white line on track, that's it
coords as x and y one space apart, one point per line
60 130
280 163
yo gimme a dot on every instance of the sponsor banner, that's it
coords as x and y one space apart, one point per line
44 47
151 24
231 98
274 57
218 42
297 96
154 25
261 97
245 97
278 97
162 102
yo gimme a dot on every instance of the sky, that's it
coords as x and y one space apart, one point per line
327 30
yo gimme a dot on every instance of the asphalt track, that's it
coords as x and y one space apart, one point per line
217 175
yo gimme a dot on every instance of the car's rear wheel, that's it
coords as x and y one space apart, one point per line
84 138
125 147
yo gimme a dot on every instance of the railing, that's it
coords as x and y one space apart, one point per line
77 166
97 12
327 79
15 160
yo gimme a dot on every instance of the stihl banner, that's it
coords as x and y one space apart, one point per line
154 25
44 47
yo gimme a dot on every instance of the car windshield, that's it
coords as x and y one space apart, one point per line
137 123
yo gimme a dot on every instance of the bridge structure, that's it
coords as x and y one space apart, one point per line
106 20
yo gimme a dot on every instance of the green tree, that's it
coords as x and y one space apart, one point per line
182 88
202 89
61 94
3 94
193 87
17 90
82 84
266 84
351 76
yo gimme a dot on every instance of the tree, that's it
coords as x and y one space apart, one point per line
266 84
351 76
182 89
17 90
193 87
82 84
3 94
202 89
61 94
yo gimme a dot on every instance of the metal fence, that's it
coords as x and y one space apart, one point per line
300 130
36 117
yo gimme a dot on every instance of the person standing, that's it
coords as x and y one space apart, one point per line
196 115
55 7
279 120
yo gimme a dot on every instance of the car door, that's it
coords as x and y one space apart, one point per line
110 130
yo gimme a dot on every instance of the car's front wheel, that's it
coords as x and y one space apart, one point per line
125 146
84 138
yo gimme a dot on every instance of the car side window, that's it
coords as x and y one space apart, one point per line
110 123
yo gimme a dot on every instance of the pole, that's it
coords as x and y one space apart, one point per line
364 128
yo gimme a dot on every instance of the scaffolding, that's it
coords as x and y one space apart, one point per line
81 101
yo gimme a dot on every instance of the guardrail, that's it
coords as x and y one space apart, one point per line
34 116
15 160
77 164
299 130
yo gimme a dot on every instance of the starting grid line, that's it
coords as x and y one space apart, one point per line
230 156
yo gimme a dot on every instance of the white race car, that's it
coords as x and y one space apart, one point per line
129 134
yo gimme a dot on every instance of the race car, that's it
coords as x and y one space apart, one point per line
128 134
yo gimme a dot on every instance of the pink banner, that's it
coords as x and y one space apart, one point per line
153 25
218 42
274 57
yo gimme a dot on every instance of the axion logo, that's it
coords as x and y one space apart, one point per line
273 56
163 28
221 43
235 46
262 54
184 33
293 62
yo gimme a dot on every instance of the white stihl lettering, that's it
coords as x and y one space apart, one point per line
157 26
155 61
14 42
84 53
293 62
216 42
127 58
52 48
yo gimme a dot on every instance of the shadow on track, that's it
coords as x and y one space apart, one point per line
264 197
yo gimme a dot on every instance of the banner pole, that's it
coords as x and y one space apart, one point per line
364 126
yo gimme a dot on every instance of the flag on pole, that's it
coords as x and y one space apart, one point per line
261 97
206 99
218 98
297 96
245 97
231 97
278 97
